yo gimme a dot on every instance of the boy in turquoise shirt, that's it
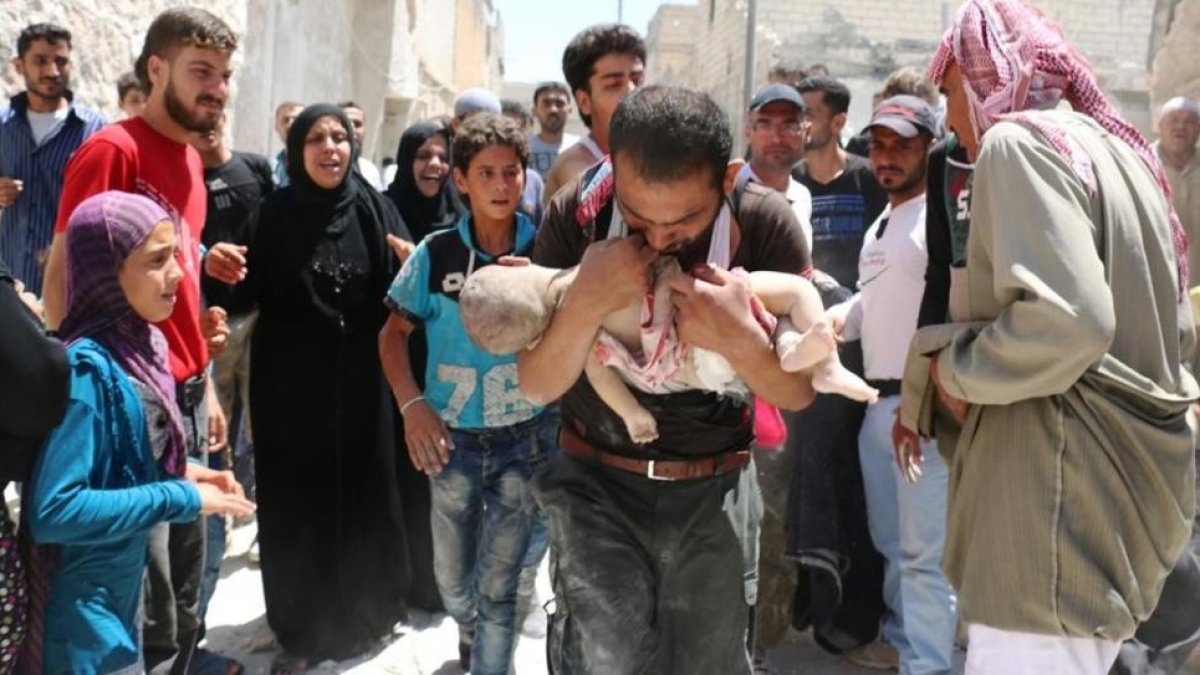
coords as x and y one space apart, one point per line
471 429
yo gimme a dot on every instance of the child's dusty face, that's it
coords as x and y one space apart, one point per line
494 182
150 275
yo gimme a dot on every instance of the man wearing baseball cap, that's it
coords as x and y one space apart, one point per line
775 133
907 521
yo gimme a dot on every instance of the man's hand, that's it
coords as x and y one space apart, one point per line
713 312
10 189
428 441
907 445
958 408
215 329
836 318
218 429
226 263
402 249
613 274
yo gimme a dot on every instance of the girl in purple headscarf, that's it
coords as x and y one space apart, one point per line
116 465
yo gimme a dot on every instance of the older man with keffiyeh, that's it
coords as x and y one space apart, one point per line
1059 392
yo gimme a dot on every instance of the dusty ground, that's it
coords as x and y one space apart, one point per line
427 645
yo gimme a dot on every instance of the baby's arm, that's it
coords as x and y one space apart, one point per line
795 298
788 295
803 340
616 395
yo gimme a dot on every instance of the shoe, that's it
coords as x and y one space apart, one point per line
877 655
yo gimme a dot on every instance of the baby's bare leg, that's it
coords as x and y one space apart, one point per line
616 395
794 297
828 375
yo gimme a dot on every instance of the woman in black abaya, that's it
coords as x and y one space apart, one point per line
421 192
334 555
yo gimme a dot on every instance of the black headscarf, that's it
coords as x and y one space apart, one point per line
306 211
422 214
331 207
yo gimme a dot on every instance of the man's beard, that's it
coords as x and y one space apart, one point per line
188 119
48 92
553 124
910 181
816 142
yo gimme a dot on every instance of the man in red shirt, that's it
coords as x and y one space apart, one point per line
185 63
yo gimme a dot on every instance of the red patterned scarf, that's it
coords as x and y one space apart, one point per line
1015 64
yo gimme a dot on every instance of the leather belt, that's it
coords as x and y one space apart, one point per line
190 393
665 470
886 387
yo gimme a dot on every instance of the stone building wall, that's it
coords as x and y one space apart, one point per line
861 41
1177 66
390 56
670 45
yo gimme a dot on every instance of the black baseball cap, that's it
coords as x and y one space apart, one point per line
905 115
776 92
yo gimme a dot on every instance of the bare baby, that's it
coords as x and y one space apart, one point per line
505 308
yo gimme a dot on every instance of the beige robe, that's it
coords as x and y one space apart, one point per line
1072 486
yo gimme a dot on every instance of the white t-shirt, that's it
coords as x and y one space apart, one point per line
891 282
42 123
798 196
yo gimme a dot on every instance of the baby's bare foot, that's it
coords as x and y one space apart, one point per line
832 377
641 426
799 351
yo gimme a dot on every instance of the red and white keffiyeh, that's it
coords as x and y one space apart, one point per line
1015 64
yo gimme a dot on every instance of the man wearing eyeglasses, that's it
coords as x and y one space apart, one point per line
776 131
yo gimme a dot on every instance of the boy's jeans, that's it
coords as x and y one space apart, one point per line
482 517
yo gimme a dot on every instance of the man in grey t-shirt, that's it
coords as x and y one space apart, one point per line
551 107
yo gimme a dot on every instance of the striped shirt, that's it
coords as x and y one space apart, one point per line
27 226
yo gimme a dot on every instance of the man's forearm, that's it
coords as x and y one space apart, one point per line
548 370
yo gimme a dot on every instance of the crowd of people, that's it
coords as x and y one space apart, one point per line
921 389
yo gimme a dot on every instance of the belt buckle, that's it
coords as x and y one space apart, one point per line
653 476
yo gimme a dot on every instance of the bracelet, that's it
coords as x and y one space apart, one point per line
405 407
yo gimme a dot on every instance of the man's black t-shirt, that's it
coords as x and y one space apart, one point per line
691 423
842 210
234 190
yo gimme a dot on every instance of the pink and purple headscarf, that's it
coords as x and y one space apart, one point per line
101 233
1016 63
